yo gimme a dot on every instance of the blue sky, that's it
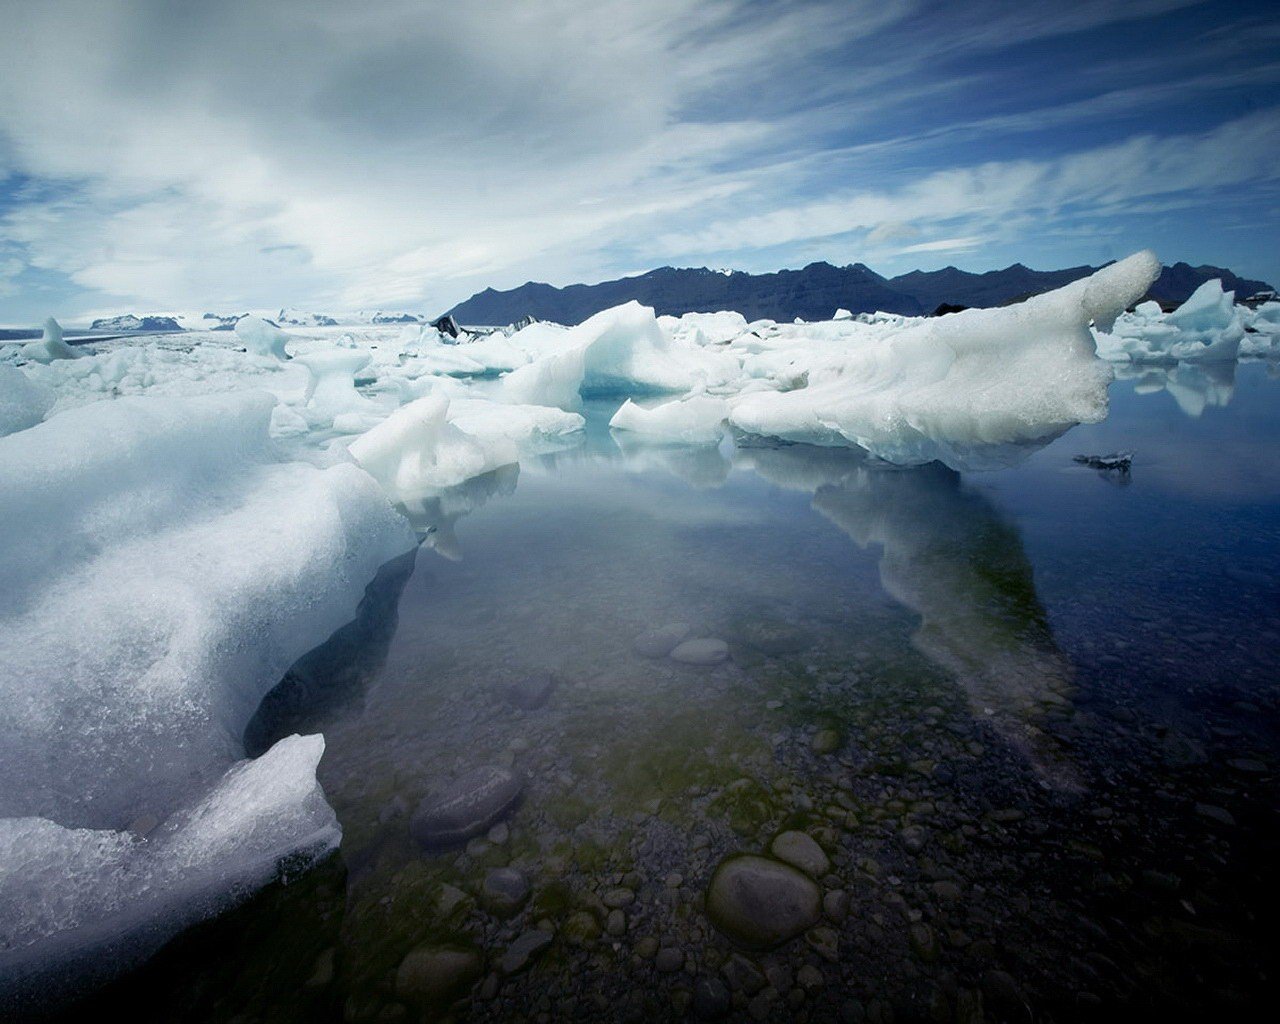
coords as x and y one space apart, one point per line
164 156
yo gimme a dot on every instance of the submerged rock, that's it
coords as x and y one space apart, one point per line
800 851
827 741
658 643
434 975
760 903
505 891
466 808
705 651
523 950
531 692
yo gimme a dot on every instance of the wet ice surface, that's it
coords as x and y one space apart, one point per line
1030 718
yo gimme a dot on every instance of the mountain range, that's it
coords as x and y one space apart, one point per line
813 293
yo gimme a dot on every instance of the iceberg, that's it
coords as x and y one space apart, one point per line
695 419
1207 328
331 390
619 351
50 346
171 572
261 337
969 389
416 451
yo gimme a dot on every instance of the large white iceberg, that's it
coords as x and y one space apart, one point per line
167 571
967 389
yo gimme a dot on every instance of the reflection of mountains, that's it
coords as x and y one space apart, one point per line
950 557
1194 386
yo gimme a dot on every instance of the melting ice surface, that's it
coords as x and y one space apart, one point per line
199 516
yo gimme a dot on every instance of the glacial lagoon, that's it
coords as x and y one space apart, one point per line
1024 723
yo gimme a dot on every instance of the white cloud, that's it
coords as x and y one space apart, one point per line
402 152
987 194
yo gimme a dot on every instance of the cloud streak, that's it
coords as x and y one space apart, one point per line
187 155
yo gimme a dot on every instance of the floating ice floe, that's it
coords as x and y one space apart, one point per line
169 571
695 419
1208 328
50 346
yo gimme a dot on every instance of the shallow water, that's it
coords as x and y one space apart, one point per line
1031 717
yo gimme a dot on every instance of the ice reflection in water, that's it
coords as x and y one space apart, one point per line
948 556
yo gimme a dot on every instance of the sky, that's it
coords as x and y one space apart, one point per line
225 155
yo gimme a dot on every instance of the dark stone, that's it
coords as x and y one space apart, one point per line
711 999
466 807
531 692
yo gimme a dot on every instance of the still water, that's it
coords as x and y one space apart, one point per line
1027 718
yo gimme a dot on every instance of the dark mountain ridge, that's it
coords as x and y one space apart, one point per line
813 293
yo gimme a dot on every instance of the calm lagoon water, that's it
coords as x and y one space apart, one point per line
1029 716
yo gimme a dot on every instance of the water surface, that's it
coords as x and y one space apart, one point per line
1030 716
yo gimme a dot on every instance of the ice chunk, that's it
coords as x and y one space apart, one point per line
331 390
533 428
23 402
117 890
261 338
697 419
167 572
971 389
1207 328
554 379
1263 337
416 451
618 351
50 346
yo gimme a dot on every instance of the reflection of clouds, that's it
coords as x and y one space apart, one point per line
1194 386
433 517
948 556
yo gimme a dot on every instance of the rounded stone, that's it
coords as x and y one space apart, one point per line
466 807
531 692
523 950
669 960
580 929
760 903
703 651
505 891
435 975
658 643
711 999
827 741
802 852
